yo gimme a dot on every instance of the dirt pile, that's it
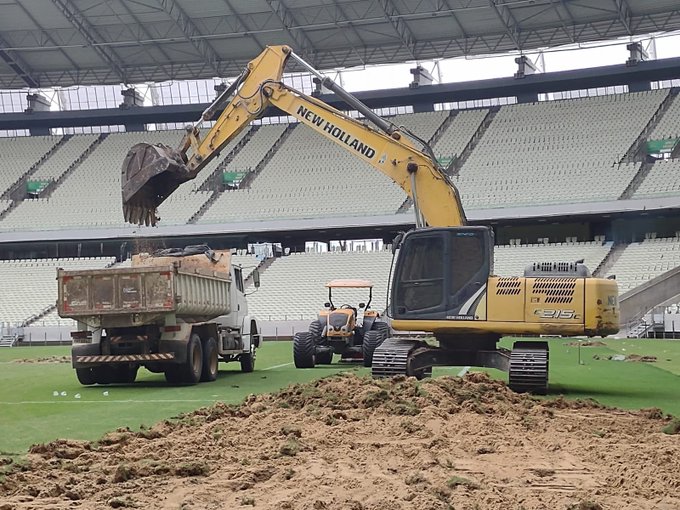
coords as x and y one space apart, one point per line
629 357
45 359
587 343
354 443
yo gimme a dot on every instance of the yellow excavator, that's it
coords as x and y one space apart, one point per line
443 281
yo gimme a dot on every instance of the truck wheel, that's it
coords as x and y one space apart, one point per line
248 360
210 362
315 328
125 374
372 340
173 374
86 376
304 350
190 371
324 355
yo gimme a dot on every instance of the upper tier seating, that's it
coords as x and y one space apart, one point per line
90 195
669 124
557 151
29 286
459 132
63 157
20 154
309 176
645 260
662 180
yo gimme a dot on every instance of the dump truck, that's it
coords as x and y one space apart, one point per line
178 312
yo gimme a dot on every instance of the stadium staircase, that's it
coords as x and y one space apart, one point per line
17 191
637 151
9 340
638 179
248 179
457 164
45 193
35 318
261 267
214 181
609 261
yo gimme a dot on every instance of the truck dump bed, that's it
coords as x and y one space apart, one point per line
133 296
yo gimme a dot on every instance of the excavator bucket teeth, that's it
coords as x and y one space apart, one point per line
150 174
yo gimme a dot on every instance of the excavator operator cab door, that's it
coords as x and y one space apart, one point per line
441 273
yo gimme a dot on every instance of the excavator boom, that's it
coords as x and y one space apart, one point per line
152 172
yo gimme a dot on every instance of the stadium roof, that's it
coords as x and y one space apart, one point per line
46 43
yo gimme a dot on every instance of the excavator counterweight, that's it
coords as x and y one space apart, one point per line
150 174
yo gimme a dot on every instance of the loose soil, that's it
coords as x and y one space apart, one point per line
45 359
346 442
589 343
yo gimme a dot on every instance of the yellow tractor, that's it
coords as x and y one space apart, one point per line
353 332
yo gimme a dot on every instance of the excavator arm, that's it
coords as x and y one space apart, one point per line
152 172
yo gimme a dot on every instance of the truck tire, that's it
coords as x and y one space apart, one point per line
126 374
173 374
315 328
190 371
372 340
86 376
210 361
324 355
304 350
248 360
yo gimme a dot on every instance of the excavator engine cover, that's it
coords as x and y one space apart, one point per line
150 174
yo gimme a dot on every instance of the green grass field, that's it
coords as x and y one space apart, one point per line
30 413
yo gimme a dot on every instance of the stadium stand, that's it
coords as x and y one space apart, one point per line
459 132
557 151
663 179
424 125
29 287
293 287
20 154
669 124
309 176
63 157
511 260
645 260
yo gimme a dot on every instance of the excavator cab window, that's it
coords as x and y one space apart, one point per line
440 271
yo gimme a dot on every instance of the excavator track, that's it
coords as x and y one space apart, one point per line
392 356
529 368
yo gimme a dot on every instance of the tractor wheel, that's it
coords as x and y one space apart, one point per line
324 355
304 350
372 340
381 327
86 376
248 360
315 328
210 361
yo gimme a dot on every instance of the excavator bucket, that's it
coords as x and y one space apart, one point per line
150 174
